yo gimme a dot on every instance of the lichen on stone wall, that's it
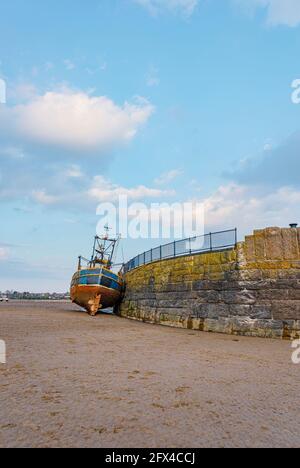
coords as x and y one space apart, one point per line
253 289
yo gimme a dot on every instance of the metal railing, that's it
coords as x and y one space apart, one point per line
211 242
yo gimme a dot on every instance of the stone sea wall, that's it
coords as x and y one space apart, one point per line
253 289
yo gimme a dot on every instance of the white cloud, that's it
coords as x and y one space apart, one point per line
275 166
75 121
42 197
104 190
185 7
22 92
168 177
73 172
99 190
279 12
247 208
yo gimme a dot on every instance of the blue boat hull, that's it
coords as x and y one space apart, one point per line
95 289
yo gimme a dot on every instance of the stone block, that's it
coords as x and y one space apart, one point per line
215 311
238 297
270 274
178 287
250 275
261 312
249 248
218 326
274 248
200 310
200 285
240 310
172 312
286 310
290 244
293 294
266 294
260 245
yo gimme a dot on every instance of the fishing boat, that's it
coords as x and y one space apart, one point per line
95 286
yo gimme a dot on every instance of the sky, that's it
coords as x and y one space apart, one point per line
160 100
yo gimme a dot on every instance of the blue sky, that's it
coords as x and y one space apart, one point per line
164 100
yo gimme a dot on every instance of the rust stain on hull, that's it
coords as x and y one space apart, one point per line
94 298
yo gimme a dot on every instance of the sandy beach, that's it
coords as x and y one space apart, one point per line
74 381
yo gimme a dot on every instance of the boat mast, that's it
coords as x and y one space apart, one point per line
94 249
104 250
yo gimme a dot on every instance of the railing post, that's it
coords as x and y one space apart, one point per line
236 241
210 240
190 242
174 248
160 248
144 258
151 255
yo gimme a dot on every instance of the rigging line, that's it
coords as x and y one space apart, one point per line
117 244
123 257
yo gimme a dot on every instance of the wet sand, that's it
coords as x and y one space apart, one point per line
74 381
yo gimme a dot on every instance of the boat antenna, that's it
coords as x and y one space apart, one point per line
107 229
